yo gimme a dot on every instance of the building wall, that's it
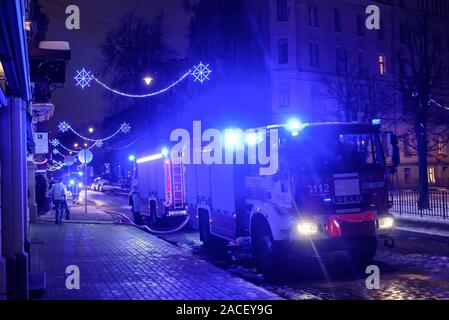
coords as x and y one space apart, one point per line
302 74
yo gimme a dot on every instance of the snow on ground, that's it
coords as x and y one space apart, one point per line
418 218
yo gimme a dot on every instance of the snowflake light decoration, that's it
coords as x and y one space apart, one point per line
55 151
201 72
54 142
64 126
99 143
83 78
125 128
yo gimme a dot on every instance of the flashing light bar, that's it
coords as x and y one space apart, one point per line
150 158
163 154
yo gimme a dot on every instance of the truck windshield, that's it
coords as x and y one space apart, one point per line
335 152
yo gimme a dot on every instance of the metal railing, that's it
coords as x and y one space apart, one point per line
405 201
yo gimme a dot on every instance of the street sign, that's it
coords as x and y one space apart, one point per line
41 140
85 156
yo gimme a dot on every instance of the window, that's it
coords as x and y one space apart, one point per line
361 63
283 51
313 12
316 97
402 33
407 176
407 152
284 95
431 175
380 32
314 53
340 58
441 145
337 20
282 10
360 25
382 65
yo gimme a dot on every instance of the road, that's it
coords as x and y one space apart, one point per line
415 269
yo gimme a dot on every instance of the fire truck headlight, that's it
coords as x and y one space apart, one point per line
386 222
307 228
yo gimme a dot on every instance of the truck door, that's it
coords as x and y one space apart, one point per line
223 201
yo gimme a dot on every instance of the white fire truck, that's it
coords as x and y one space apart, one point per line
331 192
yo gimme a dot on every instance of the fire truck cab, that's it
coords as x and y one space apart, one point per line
331 192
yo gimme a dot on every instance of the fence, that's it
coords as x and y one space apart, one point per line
406 202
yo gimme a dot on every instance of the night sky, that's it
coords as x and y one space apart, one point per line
97 17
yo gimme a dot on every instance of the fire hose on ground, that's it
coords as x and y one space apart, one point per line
129 222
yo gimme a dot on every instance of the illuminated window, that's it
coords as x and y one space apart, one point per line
431 175
441 146
382 65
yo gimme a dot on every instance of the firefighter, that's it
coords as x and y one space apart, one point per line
134 202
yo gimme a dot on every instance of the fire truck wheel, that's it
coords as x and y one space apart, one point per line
362 251
267 253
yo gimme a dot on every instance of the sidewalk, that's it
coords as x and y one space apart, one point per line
78 215
122 262
425 225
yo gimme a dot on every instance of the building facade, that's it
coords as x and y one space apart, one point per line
326 65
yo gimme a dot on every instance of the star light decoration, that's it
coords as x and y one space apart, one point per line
125 128
54 142
201 72
64 126
83 78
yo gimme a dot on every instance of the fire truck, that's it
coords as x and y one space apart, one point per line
162 183
331 192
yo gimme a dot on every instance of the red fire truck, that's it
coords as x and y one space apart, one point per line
161 182
331 192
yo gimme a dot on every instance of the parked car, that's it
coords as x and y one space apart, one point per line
100 183
108 187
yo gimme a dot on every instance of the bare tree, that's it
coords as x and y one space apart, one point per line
421 72
134 49
346 88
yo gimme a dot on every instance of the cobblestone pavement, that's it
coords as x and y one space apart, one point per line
121 262
77 214
417 268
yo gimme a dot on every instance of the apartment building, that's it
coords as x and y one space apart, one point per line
316 45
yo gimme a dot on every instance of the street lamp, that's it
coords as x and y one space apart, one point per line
91 130
148 80
76 145
85 145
